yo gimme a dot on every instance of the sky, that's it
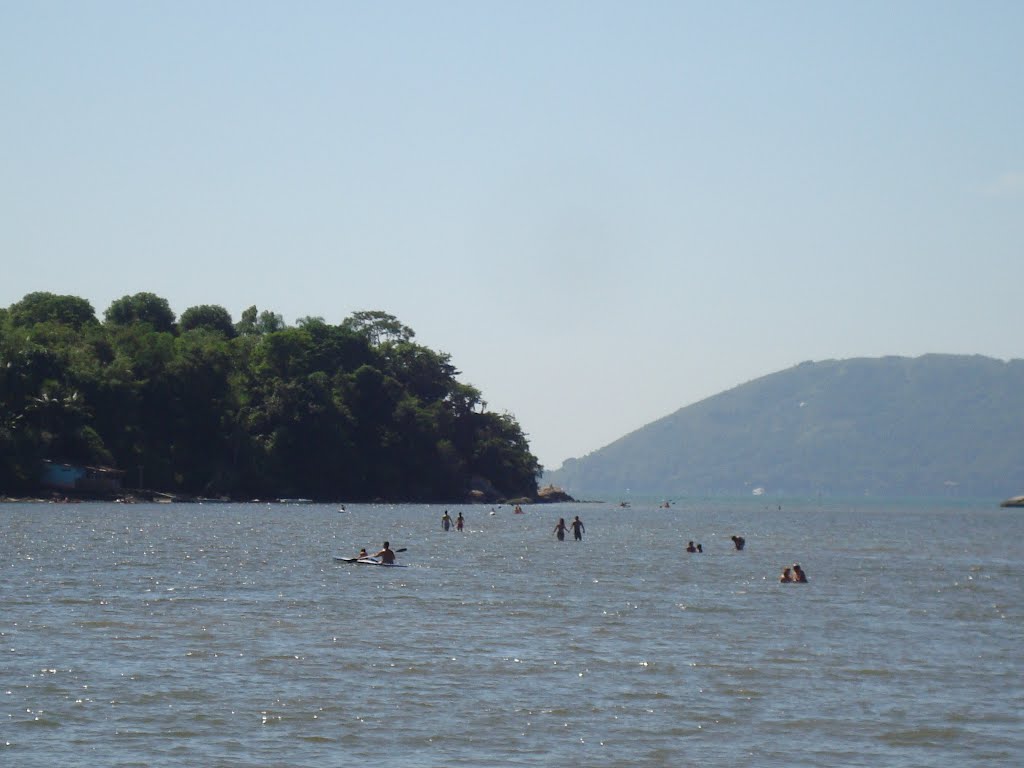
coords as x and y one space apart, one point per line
602 211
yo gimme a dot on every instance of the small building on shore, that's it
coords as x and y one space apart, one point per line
77 478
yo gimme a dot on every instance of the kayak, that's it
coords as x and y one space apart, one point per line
369 561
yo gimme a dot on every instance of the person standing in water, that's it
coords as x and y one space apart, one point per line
739 542
459 522
446 520
560 529
577 528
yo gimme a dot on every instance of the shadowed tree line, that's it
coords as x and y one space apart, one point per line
204 405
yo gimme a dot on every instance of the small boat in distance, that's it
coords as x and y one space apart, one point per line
1016 501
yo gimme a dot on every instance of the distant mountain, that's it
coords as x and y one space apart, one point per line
937 425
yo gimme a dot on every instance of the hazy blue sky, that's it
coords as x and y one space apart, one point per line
603 211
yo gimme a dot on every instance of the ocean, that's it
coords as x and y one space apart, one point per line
227 635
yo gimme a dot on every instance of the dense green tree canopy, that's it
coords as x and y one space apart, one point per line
207 316
253 409
141 308
42 307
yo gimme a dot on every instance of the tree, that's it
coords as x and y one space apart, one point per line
255 323
42 307
141 308
246 325
282 354
378 327
427 374
270 322
208 316
309 440
334 350
501 455
200 400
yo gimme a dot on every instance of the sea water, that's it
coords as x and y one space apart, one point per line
227 635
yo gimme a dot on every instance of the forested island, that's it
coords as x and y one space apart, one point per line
202 405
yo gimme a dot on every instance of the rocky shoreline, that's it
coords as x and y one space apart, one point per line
547 495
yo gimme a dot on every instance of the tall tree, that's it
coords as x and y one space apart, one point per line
378 327
43 307
209 316
141 308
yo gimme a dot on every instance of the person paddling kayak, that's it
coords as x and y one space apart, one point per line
386 555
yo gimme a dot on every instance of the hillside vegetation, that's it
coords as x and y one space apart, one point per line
207 406
936 425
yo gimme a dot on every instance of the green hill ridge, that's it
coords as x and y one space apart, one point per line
930 426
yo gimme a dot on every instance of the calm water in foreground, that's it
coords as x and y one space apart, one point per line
226 635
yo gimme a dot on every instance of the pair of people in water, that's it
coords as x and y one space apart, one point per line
576 525
691 547
794 575
386 555
446 521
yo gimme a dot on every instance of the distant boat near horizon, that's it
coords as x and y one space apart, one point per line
1016 501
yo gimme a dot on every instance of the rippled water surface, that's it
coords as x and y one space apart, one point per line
226 635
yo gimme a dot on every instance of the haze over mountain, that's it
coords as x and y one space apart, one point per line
936 425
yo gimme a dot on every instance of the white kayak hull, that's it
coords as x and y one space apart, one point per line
369 561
